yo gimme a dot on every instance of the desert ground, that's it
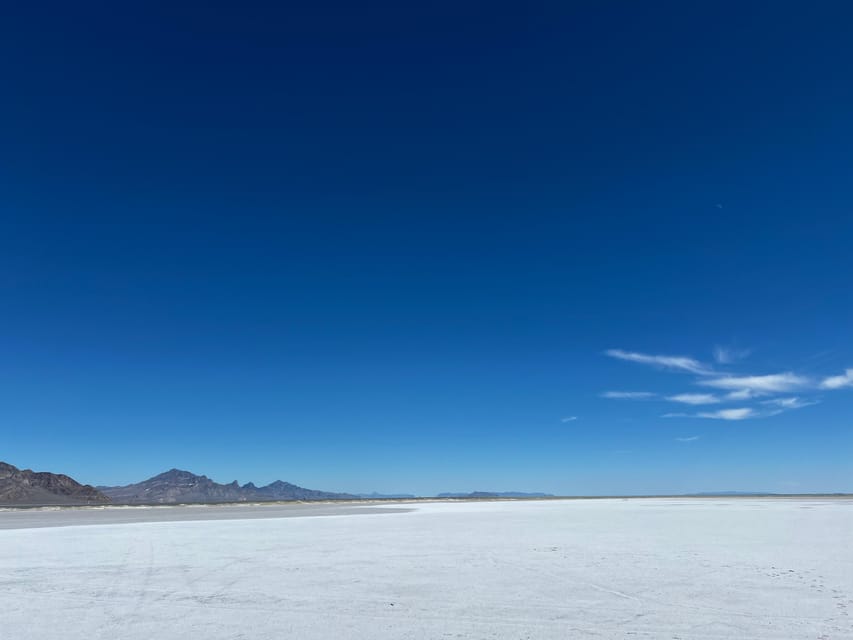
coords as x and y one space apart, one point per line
678 568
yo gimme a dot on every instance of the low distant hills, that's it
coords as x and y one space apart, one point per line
176 486
37 488
494 494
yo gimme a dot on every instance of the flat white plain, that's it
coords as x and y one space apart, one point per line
641 568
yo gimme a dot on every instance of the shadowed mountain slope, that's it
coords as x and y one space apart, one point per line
26 487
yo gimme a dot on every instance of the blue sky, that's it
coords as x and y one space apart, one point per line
560 247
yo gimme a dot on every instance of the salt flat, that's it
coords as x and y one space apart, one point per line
69 517
642 568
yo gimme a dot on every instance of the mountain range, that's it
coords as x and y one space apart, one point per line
36 488
30 488
177 485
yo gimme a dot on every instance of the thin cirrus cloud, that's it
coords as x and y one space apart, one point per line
759 396
838 382
628 395
688 439
793 402
723 414
727 355
694 398
773 383
729 414
568 419
674 363
742 394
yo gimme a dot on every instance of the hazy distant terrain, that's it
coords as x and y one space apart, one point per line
642 568
495 494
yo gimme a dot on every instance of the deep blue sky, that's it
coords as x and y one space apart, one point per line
388 247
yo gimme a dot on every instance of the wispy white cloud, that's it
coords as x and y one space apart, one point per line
742 394
694 398
838 382
730 414
676 363
775 406
569 419
793 402
628 395
773 383
688 439
722 414
759 396
727 355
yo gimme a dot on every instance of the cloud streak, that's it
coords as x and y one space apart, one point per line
754 396
773 383
775 406
568 419
694 398
729 414
688 439
723 414
673 363
742 394
727 355
838 382
789 403
628 395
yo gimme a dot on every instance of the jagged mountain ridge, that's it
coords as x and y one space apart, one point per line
177 485
36 488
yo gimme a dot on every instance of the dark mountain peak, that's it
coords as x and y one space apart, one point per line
280 490
7 470
42 488
279 484
178 475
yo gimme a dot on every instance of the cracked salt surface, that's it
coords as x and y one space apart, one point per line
644 568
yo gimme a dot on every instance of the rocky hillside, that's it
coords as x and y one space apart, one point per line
182 486
33 488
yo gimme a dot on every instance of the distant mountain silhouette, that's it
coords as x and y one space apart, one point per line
381 496
730 493
176 486
495 494
36 488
